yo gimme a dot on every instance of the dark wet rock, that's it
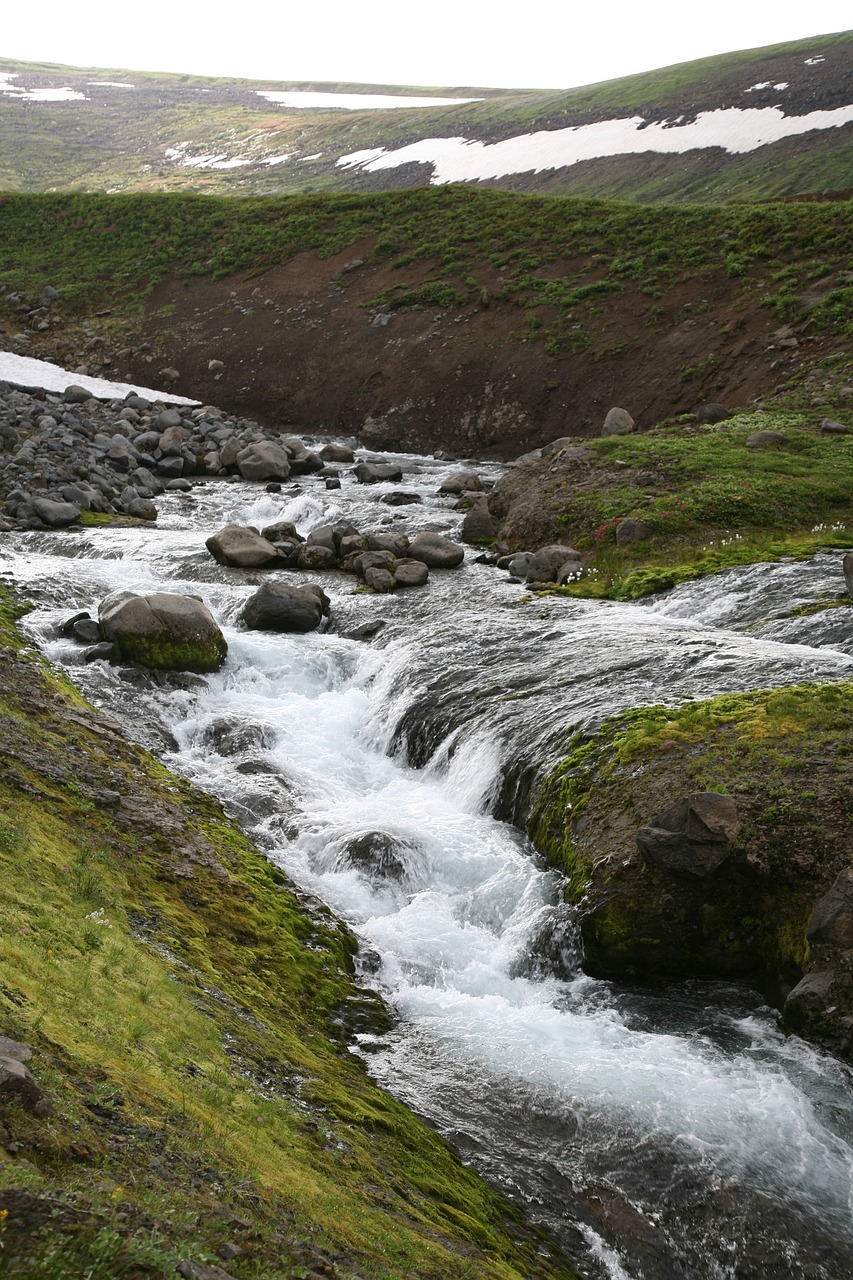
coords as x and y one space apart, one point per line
410 573
333 483
170 468
372 560
377 472
366 630
694 837
399 498
378 854
278 606
554 947
242 547
811 999
281 530
436 551
380 580
618 422
164 631
103 652
86 631
479 524
847 569
317 557
232 736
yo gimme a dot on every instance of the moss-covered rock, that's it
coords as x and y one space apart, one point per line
164 631
784 758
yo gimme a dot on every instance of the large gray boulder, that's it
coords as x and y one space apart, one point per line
278 606
693 837
56 515
410 573
461 482
334 452
545 564
832 918
377 472
164 631
242 547
617 423
436 551
263 461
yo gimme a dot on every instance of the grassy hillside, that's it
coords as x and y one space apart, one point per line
118 140
189 1017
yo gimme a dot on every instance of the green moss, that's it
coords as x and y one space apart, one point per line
165 652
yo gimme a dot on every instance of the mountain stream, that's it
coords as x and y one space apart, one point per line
660 1134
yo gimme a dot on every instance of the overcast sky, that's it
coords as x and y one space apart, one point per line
549 44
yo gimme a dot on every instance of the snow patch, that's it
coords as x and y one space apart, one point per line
110 84
316 156
304 100
272 160
813 62
216 160
37 95
733 129
29 372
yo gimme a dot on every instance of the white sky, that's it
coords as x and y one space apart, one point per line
553 44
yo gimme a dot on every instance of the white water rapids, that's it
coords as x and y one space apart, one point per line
675 1133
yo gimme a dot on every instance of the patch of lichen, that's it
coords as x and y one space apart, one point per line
771 749
185 1012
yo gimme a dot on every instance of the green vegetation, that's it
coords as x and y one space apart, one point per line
708 501
188 1017
112 250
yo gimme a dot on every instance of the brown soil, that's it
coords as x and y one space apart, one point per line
300 351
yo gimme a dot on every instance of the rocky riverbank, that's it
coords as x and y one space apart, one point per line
715 840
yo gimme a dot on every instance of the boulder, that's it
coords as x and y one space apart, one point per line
378 854
75 394
263 461
278 606
56 515
516 565
373 560
847 569
380 580
314 555
410 573
399 498
545 564
171 442
832 428
832 919
631 530
337 453
479 524
281 530
693 837
712 413
17 1082
460 482
242 548
436 551
396 543
377 472
765 439
164 631
617 423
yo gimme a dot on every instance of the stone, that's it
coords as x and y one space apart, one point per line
810 998
377 472
316 556
279 531
617 423
373 560
215 366
167 419
170 468
56 515
545 564
170 374
190 1270
17 1082
242 548
380 580
103 652
832 919
765 439
333 483
333 452
479 524
166 631
460 482
278 606
86 631
712 413
847 570
516 565
172 441
396 543
693 837
263 461
398 498
436 551
141 509
410 573
377 854
632 529
832 428
75 394
14 1049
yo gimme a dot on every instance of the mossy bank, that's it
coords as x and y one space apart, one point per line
784 759
188 1015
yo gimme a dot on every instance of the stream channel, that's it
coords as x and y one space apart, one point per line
672 1132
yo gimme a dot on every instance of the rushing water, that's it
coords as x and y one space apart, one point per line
668 1134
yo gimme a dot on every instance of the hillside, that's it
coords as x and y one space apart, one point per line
748 125
479 322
